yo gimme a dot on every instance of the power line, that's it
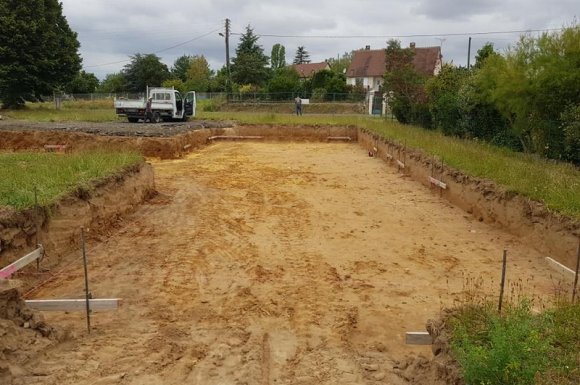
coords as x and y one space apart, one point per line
402 36
159 51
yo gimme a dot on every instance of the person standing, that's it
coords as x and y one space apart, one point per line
148 111
298 104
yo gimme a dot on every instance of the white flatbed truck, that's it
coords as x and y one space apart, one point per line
167 105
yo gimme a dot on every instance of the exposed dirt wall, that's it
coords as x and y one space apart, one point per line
162 147
293 133
57 227
158 147
549 232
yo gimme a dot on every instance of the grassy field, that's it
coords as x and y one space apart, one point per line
555 184
86 111
54 175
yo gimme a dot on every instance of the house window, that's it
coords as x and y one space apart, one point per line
359 82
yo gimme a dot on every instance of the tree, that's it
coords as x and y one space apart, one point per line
219 82
302 56
285 80
250 64
443 91
143 71
534 84
113 83
278 58
340 64
483 53
410 99
198 74
327 83
82 83
180 67
38 50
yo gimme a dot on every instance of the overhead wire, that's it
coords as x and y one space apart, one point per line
403 36
159 51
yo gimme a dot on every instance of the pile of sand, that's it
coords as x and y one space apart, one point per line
23 333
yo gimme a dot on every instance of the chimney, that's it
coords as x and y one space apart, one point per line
368 48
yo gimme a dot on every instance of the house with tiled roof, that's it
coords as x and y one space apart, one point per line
368 66
307 70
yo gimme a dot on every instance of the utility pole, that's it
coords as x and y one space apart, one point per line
228 54
468 52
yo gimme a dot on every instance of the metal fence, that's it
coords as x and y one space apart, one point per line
234 97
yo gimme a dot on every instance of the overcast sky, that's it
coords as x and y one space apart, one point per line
111 30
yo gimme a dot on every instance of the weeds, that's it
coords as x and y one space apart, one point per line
520 346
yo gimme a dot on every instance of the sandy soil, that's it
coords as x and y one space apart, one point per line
285 263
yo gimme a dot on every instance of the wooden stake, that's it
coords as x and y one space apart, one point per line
502 280
87 293
576 275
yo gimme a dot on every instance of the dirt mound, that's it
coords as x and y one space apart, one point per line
442 368
23 333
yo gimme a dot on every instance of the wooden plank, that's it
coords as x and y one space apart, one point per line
437 182
73 304
234 137
401 164
418 338
561 268
55 147
14 267
346 138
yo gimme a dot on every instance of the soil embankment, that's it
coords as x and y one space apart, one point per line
57 227
553 234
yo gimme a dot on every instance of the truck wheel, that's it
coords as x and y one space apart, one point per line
185 118
133 120
156 118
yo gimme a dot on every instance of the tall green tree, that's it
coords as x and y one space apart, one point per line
143 71
113 83
302 56
82 83
278 57
483 53
409 96
180 67
284 81
443 91
534 85
198 74
250 64
38 50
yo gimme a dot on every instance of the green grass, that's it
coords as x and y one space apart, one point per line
54 175
518 347
555 184
81 110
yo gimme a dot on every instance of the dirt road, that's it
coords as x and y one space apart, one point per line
286 263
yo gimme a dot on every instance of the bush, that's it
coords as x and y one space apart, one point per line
517 347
